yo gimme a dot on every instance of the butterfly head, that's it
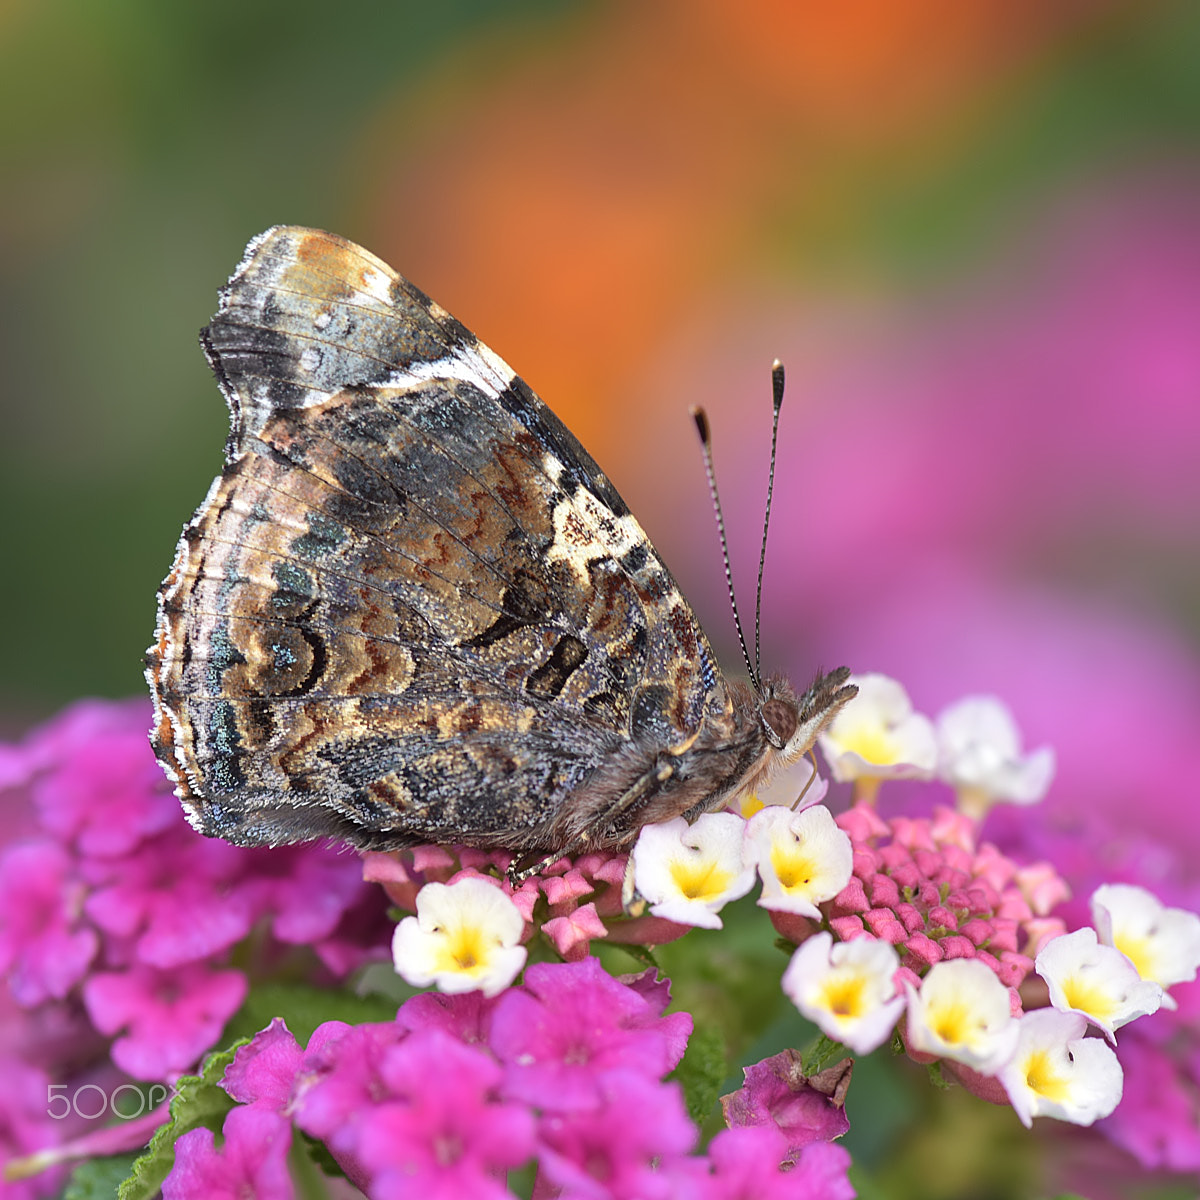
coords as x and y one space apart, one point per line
791 722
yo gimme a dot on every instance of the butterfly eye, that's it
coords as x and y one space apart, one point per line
779 721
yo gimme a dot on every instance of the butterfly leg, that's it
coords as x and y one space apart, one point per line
633 797
811 780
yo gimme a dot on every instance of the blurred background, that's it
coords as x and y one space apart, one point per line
971 230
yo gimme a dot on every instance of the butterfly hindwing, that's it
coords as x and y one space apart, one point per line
411 608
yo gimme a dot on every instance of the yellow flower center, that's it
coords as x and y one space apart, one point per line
872 743
793 867
1082 994
953 1024
1140 952
751 804
1043 1077
700 879
843 995
463 950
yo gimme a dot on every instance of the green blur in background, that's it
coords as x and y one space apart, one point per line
144 143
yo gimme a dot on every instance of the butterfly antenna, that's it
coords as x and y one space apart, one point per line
698 415
777 393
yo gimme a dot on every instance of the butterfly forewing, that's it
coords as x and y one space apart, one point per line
411 608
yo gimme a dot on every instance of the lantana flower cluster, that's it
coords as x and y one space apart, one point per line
566 1069
910 918
124 935
128 943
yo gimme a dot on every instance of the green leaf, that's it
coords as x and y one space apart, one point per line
317 1153
824 1052
98 1179
640 954
702 1071
199 1100
937 1076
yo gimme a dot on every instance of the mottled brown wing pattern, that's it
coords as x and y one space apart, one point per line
412 607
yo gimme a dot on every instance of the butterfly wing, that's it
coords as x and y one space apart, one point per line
411 607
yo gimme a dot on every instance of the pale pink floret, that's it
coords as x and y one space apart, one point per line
571 934
595 877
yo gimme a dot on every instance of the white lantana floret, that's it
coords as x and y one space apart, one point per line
962 1012
878 736
979 755
846 989
785 787
803 858
1162 943
1058 1072
464 938
1096 981
688 873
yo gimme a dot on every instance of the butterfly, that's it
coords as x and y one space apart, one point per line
413 609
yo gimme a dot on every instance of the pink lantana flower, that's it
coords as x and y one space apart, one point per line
178 897
169 1018
102 793
746 1166
339 1081
26 1128
44 948
441 1129
625 1145
464 1015
571 1024
264 1070
252 1161
304 890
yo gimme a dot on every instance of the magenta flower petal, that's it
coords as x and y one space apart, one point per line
747 1165
252 1161
304 889
820 1173
621 1147
169 1018
25 1126
1156 1119
264 1070
339 1081
571 1022
44 950
103 791
443 1131
466 1016
656 992
776 1093
178 896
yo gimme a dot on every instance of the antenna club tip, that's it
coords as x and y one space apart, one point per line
777 382
701 419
